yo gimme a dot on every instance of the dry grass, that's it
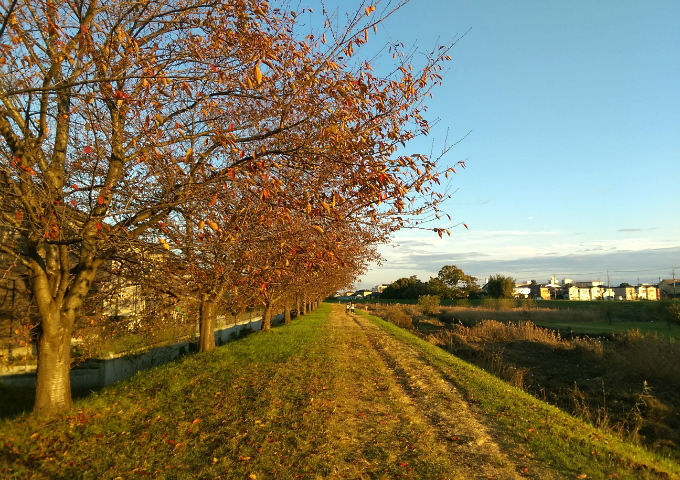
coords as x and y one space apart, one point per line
397 315
626 382
471 316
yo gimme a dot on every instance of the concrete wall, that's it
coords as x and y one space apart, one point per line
97 373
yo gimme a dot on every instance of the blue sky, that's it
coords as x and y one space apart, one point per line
574 152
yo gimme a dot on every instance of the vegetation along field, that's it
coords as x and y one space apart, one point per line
330 395
622 377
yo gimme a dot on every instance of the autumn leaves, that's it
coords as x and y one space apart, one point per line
225 155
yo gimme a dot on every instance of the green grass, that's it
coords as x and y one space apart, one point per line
303 401
284 405
662 329
239 410
556 438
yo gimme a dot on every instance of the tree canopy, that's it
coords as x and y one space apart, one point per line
215 151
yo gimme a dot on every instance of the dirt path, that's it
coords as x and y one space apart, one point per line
454 430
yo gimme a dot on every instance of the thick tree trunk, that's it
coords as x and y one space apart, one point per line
208 318
53 385
304 305
267 317
286 311
297 306
57 313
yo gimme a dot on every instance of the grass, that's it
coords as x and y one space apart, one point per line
240 410
289 404
552 436
304 401
661 329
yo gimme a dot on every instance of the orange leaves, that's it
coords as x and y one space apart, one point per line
213 200
369 9
441 232
258 73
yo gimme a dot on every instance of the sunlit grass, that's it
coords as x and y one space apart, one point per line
554 437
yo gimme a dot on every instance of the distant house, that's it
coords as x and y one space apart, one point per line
379 288
363 293
625 293
669 288
521 290
647 292
589 284
577 293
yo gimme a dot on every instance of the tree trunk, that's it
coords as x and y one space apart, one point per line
304 305
53 384
297 306
267 317
286 311
57 310
208 316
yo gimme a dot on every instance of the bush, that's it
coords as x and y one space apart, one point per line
429 304
674 311
396 315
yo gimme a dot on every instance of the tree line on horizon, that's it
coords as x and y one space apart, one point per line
449 284
215 154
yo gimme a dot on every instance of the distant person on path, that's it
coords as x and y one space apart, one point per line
347 308
351 307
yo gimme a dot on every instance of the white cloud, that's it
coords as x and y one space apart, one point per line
515 251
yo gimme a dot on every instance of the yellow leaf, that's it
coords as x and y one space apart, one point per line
201 225
326 206
317 228
165 244
309 207
258 73
212 225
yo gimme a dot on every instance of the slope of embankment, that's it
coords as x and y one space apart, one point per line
329 396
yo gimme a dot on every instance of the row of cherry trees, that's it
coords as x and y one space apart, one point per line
208 147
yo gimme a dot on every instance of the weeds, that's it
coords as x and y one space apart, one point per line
598 379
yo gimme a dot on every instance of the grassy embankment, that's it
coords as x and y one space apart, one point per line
276 406
552 435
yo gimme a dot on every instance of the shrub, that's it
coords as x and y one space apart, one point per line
674 311
396 315
429 304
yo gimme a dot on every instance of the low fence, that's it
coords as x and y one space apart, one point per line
100 372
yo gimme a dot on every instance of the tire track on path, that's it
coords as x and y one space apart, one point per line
438 402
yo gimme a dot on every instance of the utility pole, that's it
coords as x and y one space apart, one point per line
673 281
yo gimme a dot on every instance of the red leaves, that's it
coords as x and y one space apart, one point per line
88 150
213 200
19 215
100 200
